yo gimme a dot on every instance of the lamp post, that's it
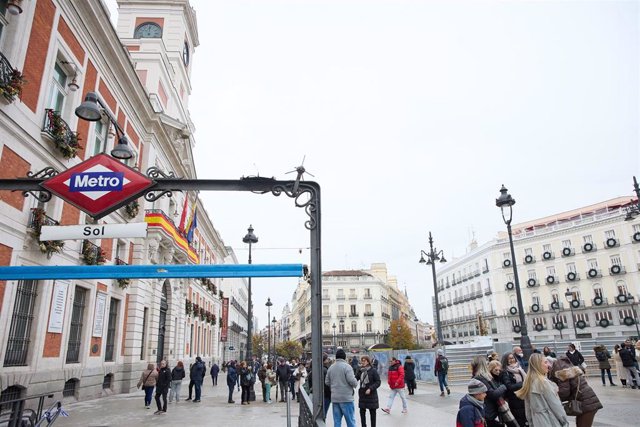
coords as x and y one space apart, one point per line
251 239
417 336
634 210
275 353
432 256
570 299
342 331
268 304
505 202
91 109
334 338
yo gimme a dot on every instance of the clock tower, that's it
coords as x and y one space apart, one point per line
161 37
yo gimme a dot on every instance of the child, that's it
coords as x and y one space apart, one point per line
471 412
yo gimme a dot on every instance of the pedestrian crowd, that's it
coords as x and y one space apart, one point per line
544 390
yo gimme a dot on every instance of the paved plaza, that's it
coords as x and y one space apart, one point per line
426 407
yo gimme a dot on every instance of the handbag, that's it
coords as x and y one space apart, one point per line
145 380
573 408
504 412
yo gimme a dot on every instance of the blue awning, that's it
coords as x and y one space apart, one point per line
151 271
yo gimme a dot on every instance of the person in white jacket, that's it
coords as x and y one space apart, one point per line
300 375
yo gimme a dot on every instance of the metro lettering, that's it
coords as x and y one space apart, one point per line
96 181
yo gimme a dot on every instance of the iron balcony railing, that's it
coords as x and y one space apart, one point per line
64 134
36 221
120 262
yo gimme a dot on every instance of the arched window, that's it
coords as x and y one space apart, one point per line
369 326
622 287
148 30
354 327
597 290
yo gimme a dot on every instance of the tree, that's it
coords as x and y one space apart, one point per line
400 336
257 345
289 349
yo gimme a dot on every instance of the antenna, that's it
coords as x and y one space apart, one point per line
300 171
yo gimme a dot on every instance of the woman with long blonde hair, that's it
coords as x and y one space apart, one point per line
542 404
495 390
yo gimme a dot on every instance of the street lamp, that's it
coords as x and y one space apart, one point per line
275 353
251 239
334 337
92 109
417 336
433 256
634 210
342 331
571 298
505 202
268 304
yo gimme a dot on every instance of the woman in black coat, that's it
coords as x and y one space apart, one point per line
575 356
368 391
512 376
410 374
162 387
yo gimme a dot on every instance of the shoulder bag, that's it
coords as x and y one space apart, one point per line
573 408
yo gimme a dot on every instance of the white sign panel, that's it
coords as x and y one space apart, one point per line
93 231
58 304
98 319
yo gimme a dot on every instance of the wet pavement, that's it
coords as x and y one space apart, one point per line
425 407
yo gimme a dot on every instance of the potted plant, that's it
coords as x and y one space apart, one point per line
12 88
48 247
123 283
92 254
132 209
188 308
65 141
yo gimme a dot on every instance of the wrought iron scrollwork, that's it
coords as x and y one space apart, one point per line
304 197
153 172
153 195
42 195
156 173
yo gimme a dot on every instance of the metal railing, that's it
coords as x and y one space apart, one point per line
14 413
306 417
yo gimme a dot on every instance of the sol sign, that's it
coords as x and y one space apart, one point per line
99 185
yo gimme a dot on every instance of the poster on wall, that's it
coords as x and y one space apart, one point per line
98 318
58 304
425 364
225 320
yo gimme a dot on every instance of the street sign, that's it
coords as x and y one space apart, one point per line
93 231
98 185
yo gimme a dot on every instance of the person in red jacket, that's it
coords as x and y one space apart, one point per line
395 378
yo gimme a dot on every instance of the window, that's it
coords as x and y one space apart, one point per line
531 274
622 288
58 89
560 318
554 296
341 328
528 251
581 316
575 294
626 312
546 248
566 244
510 277
111 329
539 321
325 294
615 260
325 310
101 131
341 311
587 239
70 387
107 382
592 263
21 321
367 308
506 255
3 16
354 327
551 271
352 294
603 315
597 291
75 331
535 299
610 234
571 268
369 326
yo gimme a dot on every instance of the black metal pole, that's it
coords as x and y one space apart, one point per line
250 315
269 334
432 258
525 341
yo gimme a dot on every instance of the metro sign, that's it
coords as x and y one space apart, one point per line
99 185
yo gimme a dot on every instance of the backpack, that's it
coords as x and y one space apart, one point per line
444 364
601 356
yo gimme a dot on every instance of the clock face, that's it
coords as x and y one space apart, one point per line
148 30
185 54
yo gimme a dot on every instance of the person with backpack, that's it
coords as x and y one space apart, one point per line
232 379
603 356
441 371
471 409
246 381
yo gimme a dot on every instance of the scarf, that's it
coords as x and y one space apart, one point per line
476 402
364 379
517 372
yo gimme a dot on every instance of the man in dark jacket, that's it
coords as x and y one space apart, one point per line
215 369
197 373
262 376
628 357
410 374
162 387
232 380
471 412
283 374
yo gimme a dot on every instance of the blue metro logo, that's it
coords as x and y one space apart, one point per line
96 181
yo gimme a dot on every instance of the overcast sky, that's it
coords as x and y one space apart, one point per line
411 114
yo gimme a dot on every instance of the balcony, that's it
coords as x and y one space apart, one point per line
326 297
340 298
485 270
594 273
529 259
65 140
557 305
353 315
611 242
589 247
566 252
368 314
160 224
368 297
92 254
572 276
548 255
449 303
11 80
551 280
599 301
38 218
488 291
353 297
119 261
386 316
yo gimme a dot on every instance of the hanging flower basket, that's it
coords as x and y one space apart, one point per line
202 314
123 283
188 307
92 254
65 140
12 88
132 209
196 310
48 247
